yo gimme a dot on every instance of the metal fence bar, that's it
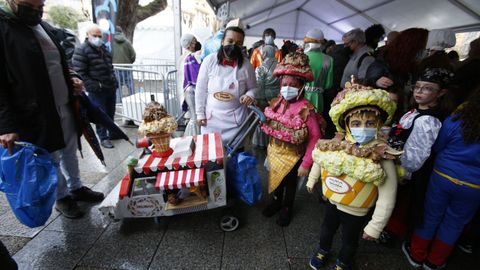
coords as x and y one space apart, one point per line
138 84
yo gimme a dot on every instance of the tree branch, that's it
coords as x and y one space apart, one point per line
151 9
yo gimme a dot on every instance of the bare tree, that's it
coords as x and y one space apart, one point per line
130 13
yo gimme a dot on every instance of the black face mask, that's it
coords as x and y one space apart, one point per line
29 15
198 46
232 51
347 50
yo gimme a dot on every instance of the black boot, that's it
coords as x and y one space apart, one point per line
272 208
285 217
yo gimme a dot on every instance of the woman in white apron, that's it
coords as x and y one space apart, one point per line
226 85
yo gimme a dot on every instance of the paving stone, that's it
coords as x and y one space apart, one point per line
189 249
93 222
257 244
92 268
129 244
54 250
200 221
302 235
4 209
9 225
14 243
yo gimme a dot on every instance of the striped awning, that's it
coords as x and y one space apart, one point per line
208 148
179 179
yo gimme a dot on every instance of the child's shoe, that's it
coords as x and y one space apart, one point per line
285 216
341 266
318 259
411 260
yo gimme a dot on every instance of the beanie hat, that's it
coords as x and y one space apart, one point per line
186 40
314 36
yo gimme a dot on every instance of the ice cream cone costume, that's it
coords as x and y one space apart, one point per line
292 125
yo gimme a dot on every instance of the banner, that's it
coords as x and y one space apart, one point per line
105 15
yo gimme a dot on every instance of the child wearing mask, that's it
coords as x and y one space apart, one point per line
453 194
294 129
415 135
357 173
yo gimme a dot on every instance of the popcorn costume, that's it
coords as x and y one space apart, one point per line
354 177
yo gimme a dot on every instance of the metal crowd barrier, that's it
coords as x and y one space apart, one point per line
138 84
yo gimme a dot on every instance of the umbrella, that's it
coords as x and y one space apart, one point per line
97 116
89 112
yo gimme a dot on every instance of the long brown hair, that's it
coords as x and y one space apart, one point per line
469 117
400 54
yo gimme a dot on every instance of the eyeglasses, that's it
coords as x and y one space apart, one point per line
424 89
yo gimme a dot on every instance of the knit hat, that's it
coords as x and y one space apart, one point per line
439 76
441 39
358 96
186 40
314 36
295 64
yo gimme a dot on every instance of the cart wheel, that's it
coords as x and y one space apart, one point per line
229 223
157 220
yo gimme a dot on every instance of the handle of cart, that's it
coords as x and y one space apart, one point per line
254 117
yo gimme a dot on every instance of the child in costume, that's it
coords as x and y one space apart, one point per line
453 194
415 135
294 129
357 173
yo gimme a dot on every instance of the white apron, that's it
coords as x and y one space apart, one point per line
224 112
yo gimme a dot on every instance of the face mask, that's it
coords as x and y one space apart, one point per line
363 135
96 41
29 15
312 46
347 51
232 51
198 46
268 40
289 92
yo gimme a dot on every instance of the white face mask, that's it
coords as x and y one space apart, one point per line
289 92
312 46
269 40
96 41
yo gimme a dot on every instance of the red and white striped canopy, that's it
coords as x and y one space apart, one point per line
180 179
208 148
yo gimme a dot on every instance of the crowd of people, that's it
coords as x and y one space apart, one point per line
389 133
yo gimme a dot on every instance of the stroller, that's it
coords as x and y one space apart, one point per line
153 186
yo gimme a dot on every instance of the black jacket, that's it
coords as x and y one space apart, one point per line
27 105
95 67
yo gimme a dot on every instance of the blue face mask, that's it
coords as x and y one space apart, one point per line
363 135
269 40
96 41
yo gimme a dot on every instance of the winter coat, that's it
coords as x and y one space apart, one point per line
122 50
95 67
27 104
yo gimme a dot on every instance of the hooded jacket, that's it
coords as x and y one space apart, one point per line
122 50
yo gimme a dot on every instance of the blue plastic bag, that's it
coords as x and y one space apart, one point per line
29 179
243 174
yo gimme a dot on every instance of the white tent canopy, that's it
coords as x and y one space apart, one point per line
291 19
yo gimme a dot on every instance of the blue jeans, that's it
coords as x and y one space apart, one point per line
125 77
68 172
106 101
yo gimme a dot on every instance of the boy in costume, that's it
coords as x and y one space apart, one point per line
354 172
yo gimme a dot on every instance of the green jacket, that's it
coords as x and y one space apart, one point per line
122 50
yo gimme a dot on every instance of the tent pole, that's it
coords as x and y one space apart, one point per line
296 25
465 8
322 21
177 28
